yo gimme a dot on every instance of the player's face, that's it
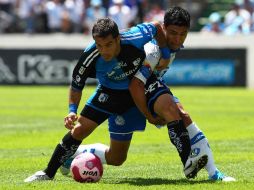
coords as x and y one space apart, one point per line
108 47
175 35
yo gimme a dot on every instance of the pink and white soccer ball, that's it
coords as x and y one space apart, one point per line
86 167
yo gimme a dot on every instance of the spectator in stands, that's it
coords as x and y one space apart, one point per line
6 15
94 12
155 14
73 15
55 13
249 6
237 20
26 13
121 14
215 25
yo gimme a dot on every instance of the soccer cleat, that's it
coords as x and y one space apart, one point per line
195 163
218 176
38 176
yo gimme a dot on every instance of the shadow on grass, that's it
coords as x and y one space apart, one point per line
152 181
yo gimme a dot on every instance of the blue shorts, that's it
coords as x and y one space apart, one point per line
118 107
121 127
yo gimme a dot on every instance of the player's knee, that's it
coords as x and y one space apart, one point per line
186 118
78 132
170 113
117 161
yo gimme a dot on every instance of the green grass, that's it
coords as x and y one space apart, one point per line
31 124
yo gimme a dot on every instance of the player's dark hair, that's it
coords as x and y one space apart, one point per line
104 27
177 16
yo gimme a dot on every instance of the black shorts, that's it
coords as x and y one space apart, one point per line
118 107
153 89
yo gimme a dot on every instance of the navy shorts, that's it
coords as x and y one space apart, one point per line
118 107
153 89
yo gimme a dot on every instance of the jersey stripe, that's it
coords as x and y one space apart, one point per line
131 36
90 58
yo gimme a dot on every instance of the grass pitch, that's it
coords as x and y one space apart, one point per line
31 124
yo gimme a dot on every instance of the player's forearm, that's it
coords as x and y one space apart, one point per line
74 99
137 91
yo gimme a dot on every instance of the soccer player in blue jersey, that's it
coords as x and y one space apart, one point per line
113 59
152 95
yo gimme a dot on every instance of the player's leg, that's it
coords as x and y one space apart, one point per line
199 143
121 127
65 149
165 107
115 154
160 102
90 118
98 149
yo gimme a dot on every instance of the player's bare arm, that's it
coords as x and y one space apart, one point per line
74 99
137 90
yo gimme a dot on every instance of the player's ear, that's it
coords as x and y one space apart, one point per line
163 27
118 39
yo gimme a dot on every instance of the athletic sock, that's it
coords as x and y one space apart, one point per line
98 149
198 140
180 139
62 152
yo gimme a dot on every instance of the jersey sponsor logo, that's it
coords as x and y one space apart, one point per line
125 74
122 70
120 120
110 74
121 64
103 97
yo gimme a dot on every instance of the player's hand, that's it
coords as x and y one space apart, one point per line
69 120
163 63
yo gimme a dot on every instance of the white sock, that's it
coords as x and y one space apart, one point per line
193 130
98 149
210 166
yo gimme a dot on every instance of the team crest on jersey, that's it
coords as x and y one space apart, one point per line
78 79
103 97
119 120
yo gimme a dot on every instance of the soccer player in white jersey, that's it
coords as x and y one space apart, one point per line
151 95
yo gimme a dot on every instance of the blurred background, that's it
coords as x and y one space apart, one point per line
41 40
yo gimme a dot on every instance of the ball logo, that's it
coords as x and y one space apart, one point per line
86 167
90 173
89 165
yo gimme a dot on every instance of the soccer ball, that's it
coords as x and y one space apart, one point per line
86 167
